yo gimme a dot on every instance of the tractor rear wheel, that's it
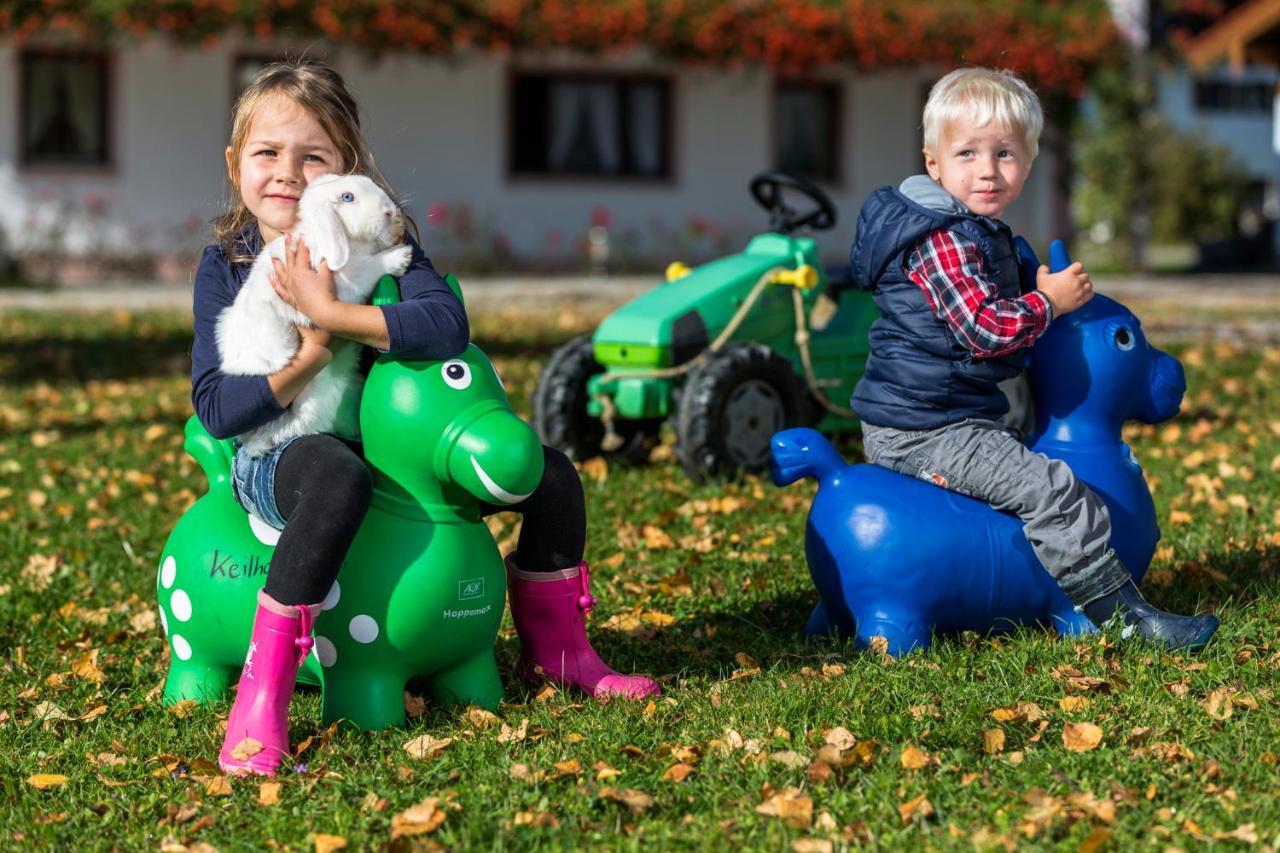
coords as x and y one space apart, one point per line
731 406
560 410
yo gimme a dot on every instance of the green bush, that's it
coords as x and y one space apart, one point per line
1128 155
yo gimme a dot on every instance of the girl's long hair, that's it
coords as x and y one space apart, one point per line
318 89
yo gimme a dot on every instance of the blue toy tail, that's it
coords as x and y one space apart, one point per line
799 453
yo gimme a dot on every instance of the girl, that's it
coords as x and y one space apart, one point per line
297 121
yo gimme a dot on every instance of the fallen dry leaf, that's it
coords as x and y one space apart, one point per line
479 718
246 749
656 537
637 801
268 793
1081 737
677 773
426 746
914 758
218 786
1074 704
328 843
789 758
920 807
840 738
426 816
44 781
812 845
86 666
993 741
510 735
572 767
792 807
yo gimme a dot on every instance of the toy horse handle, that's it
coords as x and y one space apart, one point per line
1059 260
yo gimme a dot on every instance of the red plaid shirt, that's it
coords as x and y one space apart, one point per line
948 268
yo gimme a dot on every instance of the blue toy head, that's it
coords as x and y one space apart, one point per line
1096 362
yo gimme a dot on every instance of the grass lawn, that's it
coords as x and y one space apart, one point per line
758 740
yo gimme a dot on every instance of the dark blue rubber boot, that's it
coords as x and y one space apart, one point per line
1174 632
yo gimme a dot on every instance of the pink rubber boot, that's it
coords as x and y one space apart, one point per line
549 610
280 642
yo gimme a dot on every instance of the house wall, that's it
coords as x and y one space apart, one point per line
438 127
1251 137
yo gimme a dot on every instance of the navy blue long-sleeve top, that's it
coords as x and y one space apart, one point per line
428 322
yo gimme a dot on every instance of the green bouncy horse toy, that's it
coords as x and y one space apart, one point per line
423 588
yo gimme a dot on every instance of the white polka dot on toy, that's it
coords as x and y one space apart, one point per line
180 604
331 600
168 571
363 629
325 651
164 621
181 647
266 534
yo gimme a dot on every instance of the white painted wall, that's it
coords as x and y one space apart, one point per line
438 129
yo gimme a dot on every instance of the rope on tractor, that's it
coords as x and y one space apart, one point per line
609 411
802 342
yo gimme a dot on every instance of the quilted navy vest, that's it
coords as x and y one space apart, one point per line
919 375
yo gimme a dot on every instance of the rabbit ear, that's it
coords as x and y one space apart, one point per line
327 239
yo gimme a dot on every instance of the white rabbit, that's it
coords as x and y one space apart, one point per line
349 222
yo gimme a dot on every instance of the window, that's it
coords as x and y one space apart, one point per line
590 126
806 123
63 110
1235 96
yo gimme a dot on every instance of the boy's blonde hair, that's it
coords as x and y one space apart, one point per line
321 91
983 95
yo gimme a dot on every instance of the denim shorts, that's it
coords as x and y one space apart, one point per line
253 481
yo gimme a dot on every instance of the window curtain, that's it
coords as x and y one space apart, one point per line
645 134
803 132
584 127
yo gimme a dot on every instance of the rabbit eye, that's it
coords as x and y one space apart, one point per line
347 197
457 374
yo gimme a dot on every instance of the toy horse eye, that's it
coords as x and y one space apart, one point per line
1124 339
457 374
347 197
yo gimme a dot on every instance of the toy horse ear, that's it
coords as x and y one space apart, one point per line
328 239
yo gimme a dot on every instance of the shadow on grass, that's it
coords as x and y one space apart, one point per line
110 355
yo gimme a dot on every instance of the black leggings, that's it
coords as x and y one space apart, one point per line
323 489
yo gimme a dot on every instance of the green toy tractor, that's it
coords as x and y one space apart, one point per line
731 352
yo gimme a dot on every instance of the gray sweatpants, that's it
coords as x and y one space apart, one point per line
1067 525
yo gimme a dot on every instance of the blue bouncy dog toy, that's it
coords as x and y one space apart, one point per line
898 558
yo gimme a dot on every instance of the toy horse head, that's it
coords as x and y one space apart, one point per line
1094 369
443 433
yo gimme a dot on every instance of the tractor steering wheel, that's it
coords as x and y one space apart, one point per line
767 188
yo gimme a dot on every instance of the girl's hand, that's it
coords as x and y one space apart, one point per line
310 291
314 338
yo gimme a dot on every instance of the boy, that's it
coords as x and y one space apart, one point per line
954 322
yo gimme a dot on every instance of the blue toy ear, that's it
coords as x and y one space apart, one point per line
1059 260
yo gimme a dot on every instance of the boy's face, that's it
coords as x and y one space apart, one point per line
984 167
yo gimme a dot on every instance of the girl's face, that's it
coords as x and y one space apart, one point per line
286 149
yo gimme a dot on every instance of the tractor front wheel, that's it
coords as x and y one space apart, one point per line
731 406
560 410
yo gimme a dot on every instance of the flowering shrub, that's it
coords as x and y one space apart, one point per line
1054 43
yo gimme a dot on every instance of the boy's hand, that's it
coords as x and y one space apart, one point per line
310 291
1066 290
